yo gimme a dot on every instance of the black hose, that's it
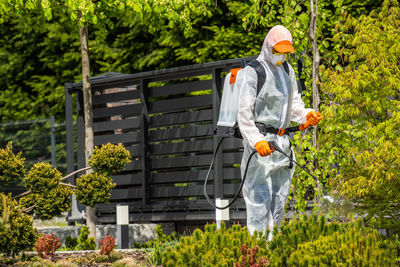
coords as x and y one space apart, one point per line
273 145
241 184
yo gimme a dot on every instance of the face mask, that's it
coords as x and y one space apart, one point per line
277 60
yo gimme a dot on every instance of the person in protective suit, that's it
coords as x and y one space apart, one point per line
277 104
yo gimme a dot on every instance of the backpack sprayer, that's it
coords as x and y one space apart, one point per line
227 126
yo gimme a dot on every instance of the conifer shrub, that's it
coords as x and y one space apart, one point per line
46 245
298 231
42 177
93 188
84 241
358 246
213 247
11 165
48 204
20 235
109 159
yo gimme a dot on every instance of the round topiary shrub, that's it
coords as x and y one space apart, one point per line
93 188
11 165
49 204
109 158
42 177
20 235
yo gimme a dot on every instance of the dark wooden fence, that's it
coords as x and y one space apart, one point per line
166 119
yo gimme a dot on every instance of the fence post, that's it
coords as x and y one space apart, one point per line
53 140
218 163
69 128
144 142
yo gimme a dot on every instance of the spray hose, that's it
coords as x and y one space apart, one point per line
272 145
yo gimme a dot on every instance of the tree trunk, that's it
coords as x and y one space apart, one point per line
315 63
88 116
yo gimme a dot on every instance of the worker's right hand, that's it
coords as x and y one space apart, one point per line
313 117
263 148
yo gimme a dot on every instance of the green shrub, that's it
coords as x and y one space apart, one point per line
298 231
84 241
93 188
11 165
48 204
42 177
212 247
71 243
358 246
21 235
109 158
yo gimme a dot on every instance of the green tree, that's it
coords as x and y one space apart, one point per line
361 129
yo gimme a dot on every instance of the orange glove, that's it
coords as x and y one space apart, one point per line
313 117
263 148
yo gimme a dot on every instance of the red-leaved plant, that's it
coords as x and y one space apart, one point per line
46 245
107 245
249 258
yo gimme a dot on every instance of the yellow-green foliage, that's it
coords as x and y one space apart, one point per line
212 247
298 231
358 246
48 204
42 177
362 119
21 235
93 188
109 158
11 165
84 241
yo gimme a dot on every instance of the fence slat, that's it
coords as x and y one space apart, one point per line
181 147
128 138
102 126
180 104
181 118
125 110
115 97
179 88
179 133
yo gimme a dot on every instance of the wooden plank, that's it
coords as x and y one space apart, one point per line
128 179
131 123
125 194
134 165
180 104
115 97
179 88
191 176
193 161
181 118
182 147
189 191
180 133
125 110
132 137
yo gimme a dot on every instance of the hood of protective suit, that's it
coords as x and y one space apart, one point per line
275 35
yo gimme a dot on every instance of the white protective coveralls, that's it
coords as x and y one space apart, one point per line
268 178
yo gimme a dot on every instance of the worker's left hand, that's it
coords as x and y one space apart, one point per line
313 117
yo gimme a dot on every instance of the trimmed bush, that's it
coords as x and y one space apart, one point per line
11 165
93 188
42 177
109 159
48 204
20 235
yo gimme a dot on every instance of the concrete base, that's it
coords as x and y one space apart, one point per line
140 233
